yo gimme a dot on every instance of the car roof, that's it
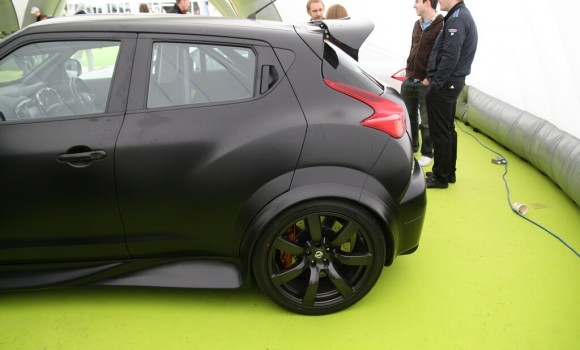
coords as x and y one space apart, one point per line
277 34
159 23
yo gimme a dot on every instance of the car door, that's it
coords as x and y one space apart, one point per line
57 147
212 123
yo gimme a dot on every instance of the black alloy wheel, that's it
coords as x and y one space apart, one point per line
320 257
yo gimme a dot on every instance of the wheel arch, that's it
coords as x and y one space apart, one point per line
380 205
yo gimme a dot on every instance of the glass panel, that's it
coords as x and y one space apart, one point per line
53 79
339 66
184 74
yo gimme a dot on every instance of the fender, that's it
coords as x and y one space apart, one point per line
329 182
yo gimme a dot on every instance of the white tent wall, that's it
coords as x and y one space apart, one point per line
528 57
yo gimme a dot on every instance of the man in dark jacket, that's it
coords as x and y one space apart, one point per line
180 7
414 88
449 64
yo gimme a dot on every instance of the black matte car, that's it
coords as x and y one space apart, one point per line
181 151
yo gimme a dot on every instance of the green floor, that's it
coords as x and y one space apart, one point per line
483 278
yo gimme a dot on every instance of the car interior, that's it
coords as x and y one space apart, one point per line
193 73
55 79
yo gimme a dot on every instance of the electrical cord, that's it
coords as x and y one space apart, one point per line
505 164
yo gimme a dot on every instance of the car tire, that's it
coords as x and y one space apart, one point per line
319 257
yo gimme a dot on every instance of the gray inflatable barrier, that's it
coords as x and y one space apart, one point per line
552 151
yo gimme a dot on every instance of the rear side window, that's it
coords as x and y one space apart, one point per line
339 66
183 74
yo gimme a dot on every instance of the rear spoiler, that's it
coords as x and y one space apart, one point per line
349 31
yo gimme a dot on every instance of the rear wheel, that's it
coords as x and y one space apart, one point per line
319 257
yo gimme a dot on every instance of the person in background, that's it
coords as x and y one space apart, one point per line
336 12
144 8
35 11
180 7
449 64
315 9
414 88
339 12
81 10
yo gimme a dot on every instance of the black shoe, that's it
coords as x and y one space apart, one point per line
433 182
451 180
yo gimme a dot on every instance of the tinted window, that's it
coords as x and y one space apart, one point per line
339 66
53 79
194 73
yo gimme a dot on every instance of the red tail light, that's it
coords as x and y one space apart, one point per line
388 117
401 75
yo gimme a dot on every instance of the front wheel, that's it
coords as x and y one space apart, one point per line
319 257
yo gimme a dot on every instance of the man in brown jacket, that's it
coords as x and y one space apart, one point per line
415 86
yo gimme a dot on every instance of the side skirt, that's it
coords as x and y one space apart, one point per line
175 273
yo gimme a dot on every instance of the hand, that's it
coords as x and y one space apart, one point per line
425 82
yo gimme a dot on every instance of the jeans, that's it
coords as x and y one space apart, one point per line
413 94
441 105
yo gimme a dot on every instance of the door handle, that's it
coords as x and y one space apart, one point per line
269 78
82 158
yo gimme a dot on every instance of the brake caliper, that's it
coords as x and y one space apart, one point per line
286 258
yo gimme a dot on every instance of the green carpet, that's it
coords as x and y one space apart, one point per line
483 278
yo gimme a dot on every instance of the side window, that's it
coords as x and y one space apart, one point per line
184 74
58 78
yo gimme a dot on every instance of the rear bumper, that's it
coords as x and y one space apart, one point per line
411 213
